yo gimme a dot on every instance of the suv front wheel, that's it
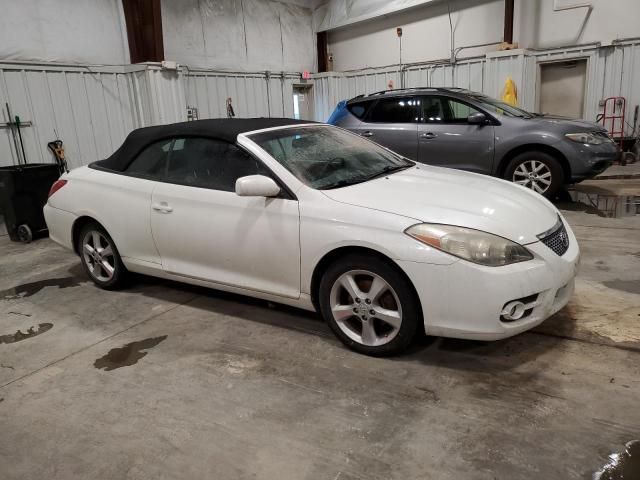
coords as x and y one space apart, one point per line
538 171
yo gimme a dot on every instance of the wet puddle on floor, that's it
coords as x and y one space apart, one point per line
127 355
607 204
622 466
30 333
29 289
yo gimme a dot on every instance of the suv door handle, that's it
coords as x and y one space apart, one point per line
368 133
428 135
162 207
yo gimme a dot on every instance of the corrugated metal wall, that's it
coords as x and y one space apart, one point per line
253 94
91 109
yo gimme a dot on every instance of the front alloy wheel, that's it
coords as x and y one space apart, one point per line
369 304
366 308
533 174
537 171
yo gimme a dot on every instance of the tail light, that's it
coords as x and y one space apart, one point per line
57 185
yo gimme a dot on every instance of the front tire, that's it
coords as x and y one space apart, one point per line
537 171
100 257
370 305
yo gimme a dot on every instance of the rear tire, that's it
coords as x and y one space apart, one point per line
370 305
100 257
25 235
537 171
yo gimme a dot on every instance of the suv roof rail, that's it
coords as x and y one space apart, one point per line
410 89
394 90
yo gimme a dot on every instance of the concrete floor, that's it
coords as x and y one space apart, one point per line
167 381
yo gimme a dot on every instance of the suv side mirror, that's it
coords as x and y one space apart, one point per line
256 186
477 118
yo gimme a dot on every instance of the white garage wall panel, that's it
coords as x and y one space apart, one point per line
630 75
239 34
68 31
92 111
252 94
165 96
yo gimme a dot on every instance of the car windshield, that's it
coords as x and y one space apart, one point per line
501 108
325 157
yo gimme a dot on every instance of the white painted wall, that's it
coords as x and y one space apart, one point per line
239 34
331 14
426 34
538 26
86 31
374 43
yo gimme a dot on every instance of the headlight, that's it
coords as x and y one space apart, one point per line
473 245
587 138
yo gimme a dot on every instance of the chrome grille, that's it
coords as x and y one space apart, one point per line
557 239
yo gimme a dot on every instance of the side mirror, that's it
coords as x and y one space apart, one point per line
256 186
477 119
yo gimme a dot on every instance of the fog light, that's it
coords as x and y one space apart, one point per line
513 310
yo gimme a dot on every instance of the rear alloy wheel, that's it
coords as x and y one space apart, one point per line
537 171
369 305
25 235
100 257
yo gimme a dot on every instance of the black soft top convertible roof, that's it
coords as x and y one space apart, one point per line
225 129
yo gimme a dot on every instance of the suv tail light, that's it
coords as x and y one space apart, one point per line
57 185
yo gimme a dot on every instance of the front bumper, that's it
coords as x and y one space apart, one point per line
587 161
465 300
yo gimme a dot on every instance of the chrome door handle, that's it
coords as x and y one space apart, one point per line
162 207
367 134
428 135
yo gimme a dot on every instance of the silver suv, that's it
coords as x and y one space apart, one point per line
457 128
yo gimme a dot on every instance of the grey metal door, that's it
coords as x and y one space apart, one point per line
446 139
393 123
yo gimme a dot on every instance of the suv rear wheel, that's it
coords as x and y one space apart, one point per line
536 170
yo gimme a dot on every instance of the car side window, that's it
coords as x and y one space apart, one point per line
152 161
445 110
395 110
359 109
209 163
433 110
458 112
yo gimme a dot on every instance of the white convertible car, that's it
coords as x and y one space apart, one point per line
314 216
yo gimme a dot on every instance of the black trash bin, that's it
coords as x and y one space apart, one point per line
23 194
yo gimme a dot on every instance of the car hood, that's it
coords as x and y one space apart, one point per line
570 123
440 195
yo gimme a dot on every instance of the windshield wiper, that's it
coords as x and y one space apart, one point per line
387 170
353 181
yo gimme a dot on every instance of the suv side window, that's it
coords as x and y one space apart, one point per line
359 109
152 161
445 110
433 110
395 110
209 163
458 112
